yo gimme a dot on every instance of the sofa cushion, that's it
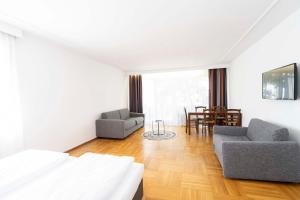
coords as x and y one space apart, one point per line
219 139
129 123
259 130
124 113
111 115
139 120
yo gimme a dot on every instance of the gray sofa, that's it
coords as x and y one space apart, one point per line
262 151
118 124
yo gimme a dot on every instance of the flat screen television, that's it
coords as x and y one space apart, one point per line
280 83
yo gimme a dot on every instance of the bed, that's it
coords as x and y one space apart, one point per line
47 175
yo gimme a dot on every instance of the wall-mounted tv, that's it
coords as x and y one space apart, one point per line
280 83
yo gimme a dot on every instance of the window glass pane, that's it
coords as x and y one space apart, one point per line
166 94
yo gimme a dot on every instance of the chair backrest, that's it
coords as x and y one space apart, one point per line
209 115
233 116
185 113
200 108
219 108
233 110
209 110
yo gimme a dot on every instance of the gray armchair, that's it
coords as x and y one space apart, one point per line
262 151
118 124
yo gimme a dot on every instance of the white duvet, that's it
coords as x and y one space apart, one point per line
91 176
25 166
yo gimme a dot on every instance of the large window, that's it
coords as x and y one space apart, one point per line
166 94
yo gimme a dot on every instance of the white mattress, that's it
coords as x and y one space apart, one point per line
125 190
130 184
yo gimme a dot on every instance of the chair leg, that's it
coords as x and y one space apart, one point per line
207 130
186 125
211 129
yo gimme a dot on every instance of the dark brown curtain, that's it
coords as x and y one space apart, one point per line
135 94
217 87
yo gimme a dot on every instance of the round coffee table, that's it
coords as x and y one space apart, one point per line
158 122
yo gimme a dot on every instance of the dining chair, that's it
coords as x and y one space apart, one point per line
233 117
209 119
200 108
193 123
200 117
220 115
219 108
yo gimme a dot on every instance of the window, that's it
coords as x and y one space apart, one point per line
166 94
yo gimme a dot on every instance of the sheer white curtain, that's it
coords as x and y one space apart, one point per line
166 94
11 137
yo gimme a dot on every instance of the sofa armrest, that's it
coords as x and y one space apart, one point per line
134 114
230 130
110 128
261 160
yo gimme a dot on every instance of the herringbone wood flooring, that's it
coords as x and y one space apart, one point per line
186 168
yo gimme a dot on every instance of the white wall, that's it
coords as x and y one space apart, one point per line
62 93
279 47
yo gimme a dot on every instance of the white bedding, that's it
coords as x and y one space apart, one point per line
25 166
130 183
89 177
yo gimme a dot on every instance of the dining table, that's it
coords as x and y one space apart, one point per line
220 116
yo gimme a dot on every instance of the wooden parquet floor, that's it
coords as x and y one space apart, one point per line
186 168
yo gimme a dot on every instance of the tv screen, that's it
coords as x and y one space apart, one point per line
280 83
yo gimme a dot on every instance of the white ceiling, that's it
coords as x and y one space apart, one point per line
138 35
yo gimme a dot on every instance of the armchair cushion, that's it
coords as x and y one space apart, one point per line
139 120
124 113
129 123
111 115
230 130
260 130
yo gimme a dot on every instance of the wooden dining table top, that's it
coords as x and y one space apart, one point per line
202 113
